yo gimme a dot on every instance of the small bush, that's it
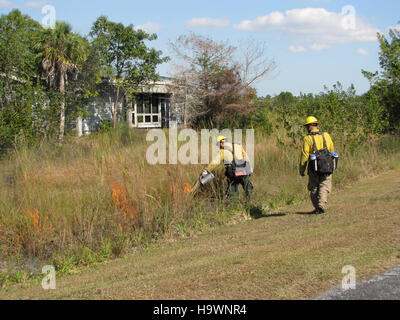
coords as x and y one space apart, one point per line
105 126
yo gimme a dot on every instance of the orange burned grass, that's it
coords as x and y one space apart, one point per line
127 214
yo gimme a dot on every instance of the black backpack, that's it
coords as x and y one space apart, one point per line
238 168
324 164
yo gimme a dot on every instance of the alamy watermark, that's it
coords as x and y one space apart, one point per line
49 281
195 148
350 280
349 21
49 19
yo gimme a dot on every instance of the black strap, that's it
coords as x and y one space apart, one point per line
323 137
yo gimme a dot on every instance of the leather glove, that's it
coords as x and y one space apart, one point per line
303 170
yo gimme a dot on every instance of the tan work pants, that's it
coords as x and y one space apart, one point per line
320 186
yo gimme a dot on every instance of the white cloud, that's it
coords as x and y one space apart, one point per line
208 22
362 52
34 4
150 27
30 4
297 49
5 4
316 26
313 47
319 46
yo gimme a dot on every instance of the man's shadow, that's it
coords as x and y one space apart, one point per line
257 213
309 213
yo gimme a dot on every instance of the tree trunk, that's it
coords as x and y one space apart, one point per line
79 127
115 109
62 109
129 116
185 111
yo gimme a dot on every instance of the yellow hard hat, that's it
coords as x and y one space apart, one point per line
221 138
311 120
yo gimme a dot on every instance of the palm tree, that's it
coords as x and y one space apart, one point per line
62 54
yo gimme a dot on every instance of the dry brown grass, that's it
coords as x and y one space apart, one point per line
97 198
286 255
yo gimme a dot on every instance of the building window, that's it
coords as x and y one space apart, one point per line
139 103
147 106
154 105
148 110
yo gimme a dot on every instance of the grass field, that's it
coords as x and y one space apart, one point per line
286 254
96 199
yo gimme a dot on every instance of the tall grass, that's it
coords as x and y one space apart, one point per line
96 198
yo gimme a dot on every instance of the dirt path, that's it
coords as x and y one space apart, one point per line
287 255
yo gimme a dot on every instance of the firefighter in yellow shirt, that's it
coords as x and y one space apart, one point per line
320 185
237 167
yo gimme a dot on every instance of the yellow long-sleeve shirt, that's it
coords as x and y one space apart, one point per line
308 147
226 156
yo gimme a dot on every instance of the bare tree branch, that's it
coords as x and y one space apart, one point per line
254 62
209 84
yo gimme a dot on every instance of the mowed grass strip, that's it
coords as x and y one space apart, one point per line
286 255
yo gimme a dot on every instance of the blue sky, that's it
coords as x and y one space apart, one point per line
314 42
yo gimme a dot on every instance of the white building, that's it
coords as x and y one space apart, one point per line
151 109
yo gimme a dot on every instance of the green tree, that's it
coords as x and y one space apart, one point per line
23 110
386 84
390 56
24 117
125 57
86 86
62 54
17 59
